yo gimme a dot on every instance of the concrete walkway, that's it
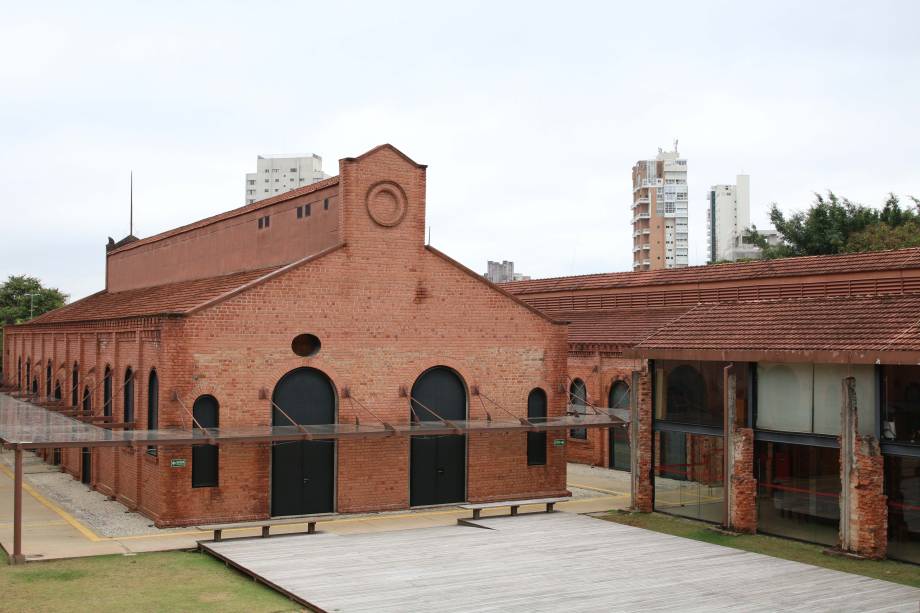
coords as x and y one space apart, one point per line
62 518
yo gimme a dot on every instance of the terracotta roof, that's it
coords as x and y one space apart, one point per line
623 327
170 299
762 269
874 325
294 193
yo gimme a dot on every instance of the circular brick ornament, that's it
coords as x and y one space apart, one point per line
386 203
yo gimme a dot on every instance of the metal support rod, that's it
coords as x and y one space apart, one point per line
525 422
374 415
17 558
446 422
296 425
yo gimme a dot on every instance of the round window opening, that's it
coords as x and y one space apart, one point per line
306 345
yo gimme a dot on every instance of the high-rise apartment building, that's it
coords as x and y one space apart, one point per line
660 235
276 174
502 272
728 215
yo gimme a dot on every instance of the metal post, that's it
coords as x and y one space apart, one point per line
17 558
848 429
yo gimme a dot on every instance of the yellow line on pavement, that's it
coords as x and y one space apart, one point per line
70 519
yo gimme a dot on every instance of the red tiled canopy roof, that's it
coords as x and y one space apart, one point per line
170 299
624 328
847 329
762 269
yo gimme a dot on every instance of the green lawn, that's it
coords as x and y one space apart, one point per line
163 581
908 574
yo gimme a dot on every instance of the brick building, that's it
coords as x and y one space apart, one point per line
737 374
321 306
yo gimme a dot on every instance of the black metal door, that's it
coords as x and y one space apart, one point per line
86 468
303 472
437 466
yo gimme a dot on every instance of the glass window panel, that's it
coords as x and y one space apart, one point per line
902 486
784 397
829 396
689 392
688 475
798 491
902 404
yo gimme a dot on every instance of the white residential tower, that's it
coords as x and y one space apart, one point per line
276 174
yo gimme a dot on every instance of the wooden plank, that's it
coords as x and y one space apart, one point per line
546 562
515 503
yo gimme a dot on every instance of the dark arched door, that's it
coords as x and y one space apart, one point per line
437 473
303 472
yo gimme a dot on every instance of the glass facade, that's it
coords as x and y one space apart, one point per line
901 404
807 398
902 486
798 491
693 392
689 475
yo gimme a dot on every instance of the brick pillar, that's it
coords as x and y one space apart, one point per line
742 507
640 434
863 504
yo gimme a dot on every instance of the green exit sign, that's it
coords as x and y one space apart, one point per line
559 442
177 463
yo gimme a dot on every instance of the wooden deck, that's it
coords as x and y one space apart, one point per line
546 562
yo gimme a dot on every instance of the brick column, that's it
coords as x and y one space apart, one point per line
742 507
640 434
863 504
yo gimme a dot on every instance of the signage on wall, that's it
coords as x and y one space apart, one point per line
177 463
559 442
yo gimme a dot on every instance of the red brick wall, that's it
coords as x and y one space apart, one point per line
599 371
230 245
743 503
868 503
643 484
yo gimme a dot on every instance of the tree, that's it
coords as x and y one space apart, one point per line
829 226
23 297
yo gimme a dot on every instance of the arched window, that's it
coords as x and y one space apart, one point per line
58 395
107 392
75 385
19 373
686 395
129 395
619 435
35 386
578 400
536 441
204 457
28 371
48 380
153 406
87 400
619 395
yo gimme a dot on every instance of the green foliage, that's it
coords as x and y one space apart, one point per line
837 225
16 303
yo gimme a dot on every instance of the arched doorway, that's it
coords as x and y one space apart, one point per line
75 385
619 436
303 472
437 464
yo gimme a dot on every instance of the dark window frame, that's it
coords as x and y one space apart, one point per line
206 458
537 441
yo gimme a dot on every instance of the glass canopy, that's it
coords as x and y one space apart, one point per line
29 426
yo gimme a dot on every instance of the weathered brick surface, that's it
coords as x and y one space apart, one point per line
868 503
643 497
743 503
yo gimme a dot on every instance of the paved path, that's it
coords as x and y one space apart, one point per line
548 562
62 518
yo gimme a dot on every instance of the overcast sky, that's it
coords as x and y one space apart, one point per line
529 115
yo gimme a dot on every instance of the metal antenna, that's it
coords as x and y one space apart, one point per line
131 221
